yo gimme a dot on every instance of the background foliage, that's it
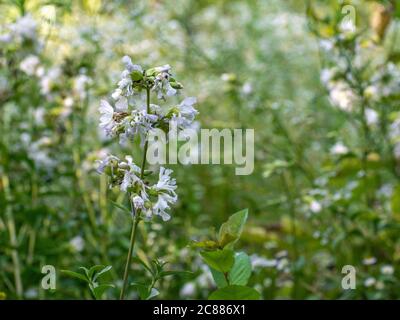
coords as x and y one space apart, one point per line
325 191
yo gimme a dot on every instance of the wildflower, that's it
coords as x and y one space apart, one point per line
78 243
371 116
387 270
315 206
369 282
339 149
342 96
107 116
369 261
185 113
29 64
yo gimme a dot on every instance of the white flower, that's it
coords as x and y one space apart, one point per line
315 206
130 66
339 149
80 85
342 96
24 27
257 261
185 112
165 188
131 176
188 290
369 282
247 88
371 116
387 270
78 243
347 26
327 44
161 83
29 64
369 261
106 117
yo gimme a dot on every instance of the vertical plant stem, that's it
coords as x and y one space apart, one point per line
128 260
136 215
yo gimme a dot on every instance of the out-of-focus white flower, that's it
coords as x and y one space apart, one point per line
347 26
38 115
326 75
315 206
372 116
25 28
327 44
247 88
78 243
339 149
80 85
369 282
387 270
369 261
261 262
188 290
29 64
342 96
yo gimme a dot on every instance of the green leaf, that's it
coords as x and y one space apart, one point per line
99 290
75 275
231 230
121 207
94 269
207 244
219 278
241 270
220 260
101 272
235 292
142 289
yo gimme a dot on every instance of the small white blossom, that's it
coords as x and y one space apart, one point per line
387 270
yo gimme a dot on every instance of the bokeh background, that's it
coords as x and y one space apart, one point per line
325 191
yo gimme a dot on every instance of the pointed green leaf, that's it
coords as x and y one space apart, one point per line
231 230
220 260
75 275
241 270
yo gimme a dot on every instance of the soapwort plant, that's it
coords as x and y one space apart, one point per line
133 115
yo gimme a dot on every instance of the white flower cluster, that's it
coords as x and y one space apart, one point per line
122 121
149 199
126 118
24 29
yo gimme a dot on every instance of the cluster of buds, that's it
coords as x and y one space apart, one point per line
128 117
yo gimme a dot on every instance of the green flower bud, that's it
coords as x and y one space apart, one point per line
136 75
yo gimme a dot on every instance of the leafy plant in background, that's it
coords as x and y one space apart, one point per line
231 270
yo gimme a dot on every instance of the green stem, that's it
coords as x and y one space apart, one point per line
136 216
131 247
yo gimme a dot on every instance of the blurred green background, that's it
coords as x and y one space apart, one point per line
251 64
